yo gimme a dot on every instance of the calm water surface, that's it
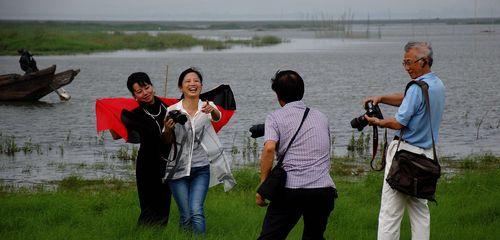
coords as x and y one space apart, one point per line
338 73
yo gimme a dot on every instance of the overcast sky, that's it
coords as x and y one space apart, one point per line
242 9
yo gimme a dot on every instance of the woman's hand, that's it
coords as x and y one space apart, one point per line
209 109
168 130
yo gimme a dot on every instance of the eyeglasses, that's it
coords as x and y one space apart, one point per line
410 62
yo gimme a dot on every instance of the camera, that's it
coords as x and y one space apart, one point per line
177 116
257 130
372 111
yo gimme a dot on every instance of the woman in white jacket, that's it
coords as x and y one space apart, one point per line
197 160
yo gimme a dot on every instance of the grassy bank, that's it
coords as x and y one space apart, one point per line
45 39
107 209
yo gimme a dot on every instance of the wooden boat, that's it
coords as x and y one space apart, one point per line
33 86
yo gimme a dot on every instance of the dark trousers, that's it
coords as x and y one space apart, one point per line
315 205
154 200
154 196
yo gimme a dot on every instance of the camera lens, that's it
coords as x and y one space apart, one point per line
359 123
257 130
177 116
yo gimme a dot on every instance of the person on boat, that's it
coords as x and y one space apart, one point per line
27 62
146 124
198 160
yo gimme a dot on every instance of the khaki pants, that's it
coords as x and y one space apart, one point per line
393 203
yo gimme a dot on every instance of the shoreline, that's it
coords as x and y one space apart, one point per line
344 168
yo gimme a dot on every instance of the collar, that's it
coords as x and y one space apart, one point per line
299 104
426 76
178 106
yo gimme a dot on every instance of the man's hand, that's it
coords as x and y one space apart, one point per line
259 200
372 121
391 123
375 99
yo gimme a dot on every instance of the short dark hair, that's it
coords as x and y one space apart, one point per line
186 72
288 85
140 78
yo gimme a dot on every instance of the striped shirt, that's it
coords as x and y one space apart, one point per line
307 162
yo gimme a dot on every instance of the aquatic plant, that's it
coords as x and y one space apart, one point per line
332 144
9 145
27 147
123 153
479 122
68 136
61 149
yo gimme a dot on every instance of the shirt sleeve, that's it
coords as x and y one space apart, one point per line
217 109
271 131
410 105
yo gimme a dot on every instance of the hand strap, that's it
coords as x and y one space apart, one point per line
282 156
375 149
425 91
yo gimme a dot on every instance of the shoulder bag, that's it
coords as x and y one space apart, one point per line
415 174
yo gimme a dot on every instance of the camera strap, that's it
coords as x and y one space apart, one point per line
375 149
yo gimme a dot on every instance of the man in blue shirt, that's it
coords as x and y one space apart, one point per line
412 121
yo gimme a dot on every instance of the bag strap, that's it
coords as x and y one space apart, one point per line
282 156
425 91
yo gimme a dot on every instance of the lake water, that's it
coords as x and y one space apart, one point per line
338 74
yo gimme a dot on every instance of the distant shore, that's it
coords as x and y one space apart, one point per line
49 37
55 38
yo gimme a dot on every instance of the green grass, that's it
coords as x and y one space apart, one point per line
50 38
107 209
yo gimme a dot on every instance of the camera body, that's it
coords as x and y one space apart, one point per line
257 130
372 111
177 116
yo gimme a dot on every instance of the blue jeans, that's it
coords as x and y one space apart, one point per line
189 194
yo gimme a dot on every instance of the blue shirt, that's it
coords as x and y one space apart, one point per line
412 112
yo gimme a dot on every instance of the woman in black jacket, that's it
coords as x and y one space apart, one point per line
146 125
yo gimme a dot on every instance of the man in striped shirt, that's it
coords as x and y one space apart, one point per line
309 189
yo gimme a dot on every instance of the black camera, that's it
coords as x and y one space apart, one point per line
177 116
257 130
372 111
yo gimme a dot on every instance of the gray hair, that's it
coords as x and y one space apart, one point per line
424 50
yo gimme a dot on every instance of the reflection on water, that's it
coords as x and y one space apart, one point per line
339 73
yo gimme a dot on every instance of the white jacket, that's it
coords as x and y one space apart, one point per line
179 167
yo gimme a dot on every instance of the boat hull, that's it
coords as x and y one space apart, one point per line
33 86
